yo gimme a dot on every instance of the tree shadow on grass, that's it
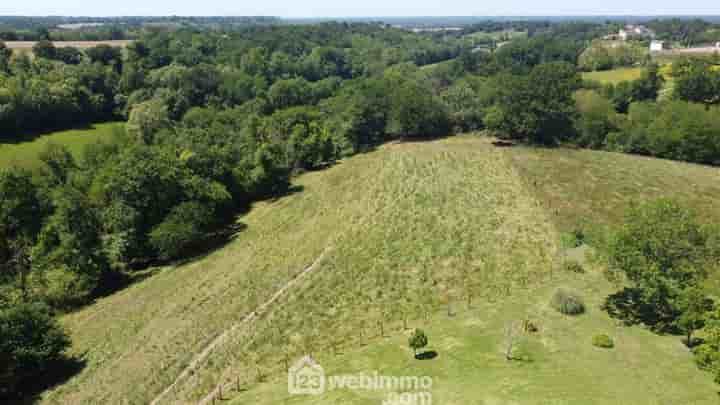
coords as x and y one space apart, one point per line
58 373
627 306
428 355
32 135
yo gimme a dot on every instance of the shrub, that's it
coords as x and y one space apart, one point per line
573 239
604 341
573 267
31 341
418 340
567 302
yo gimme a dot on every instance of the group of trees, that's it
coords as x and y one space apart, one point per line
666 254
628 117
215 121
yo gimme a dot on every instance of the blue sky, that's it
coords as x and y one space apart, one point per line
340 8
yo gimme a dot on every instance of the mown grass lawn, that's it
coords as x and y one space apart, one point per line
24 151
614 75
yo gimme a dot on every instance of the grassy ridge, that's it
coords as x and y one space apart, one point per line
410 230
422 210
24 152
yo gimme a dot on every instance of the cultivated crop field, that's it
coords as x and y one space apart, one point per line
24 151
28 45
456 236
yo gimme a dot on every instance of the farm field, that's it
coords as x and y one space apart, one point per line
27 45
614 75
24 152
401 236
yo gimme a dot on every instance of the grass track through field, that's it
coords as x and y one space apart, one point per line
415 228
202 356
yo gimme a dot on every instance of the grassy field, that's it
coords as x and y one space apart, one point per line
580 185
557 365
614 75
23 152
403 237
27 45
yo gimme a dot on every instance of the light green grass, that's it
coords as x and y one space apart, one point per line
556 365
409 230
24 153
580 185
614 75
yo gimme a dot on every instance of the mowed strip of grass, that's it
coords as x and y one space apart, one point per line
555 365
24 153
614 75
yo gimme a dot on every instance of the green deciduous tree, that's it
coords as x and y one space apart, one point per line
417 341
662 250
539 107
31 341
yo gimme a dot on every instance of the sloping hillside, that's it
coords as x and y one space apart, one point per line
400 237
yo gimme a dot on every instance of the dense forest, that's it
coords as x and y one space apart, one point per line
217 119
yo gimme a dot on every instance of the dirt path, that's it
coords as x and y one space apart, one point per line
202 356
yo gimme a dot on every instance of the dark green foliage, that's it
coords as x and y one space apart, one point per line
567 302
673 130
5 55
44 49
664 252
538 107
21 216
31 341
694 306
68 257
573 266
696 82
417 340
185 225
646 88
603 341
105 54
707 354
416 112
573 239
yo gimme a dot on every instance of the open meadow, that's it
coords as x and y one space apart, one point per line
614 75
24 151
456 236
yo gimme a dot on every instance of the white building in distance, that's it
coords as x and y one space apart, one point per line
657 46
635 32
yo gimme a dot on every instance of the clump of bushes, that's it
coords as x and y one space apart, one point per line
573 266
573 239
604 341
567 302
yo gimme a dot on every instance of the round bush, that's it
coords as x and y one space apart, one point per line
567 302
604 341
574 267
